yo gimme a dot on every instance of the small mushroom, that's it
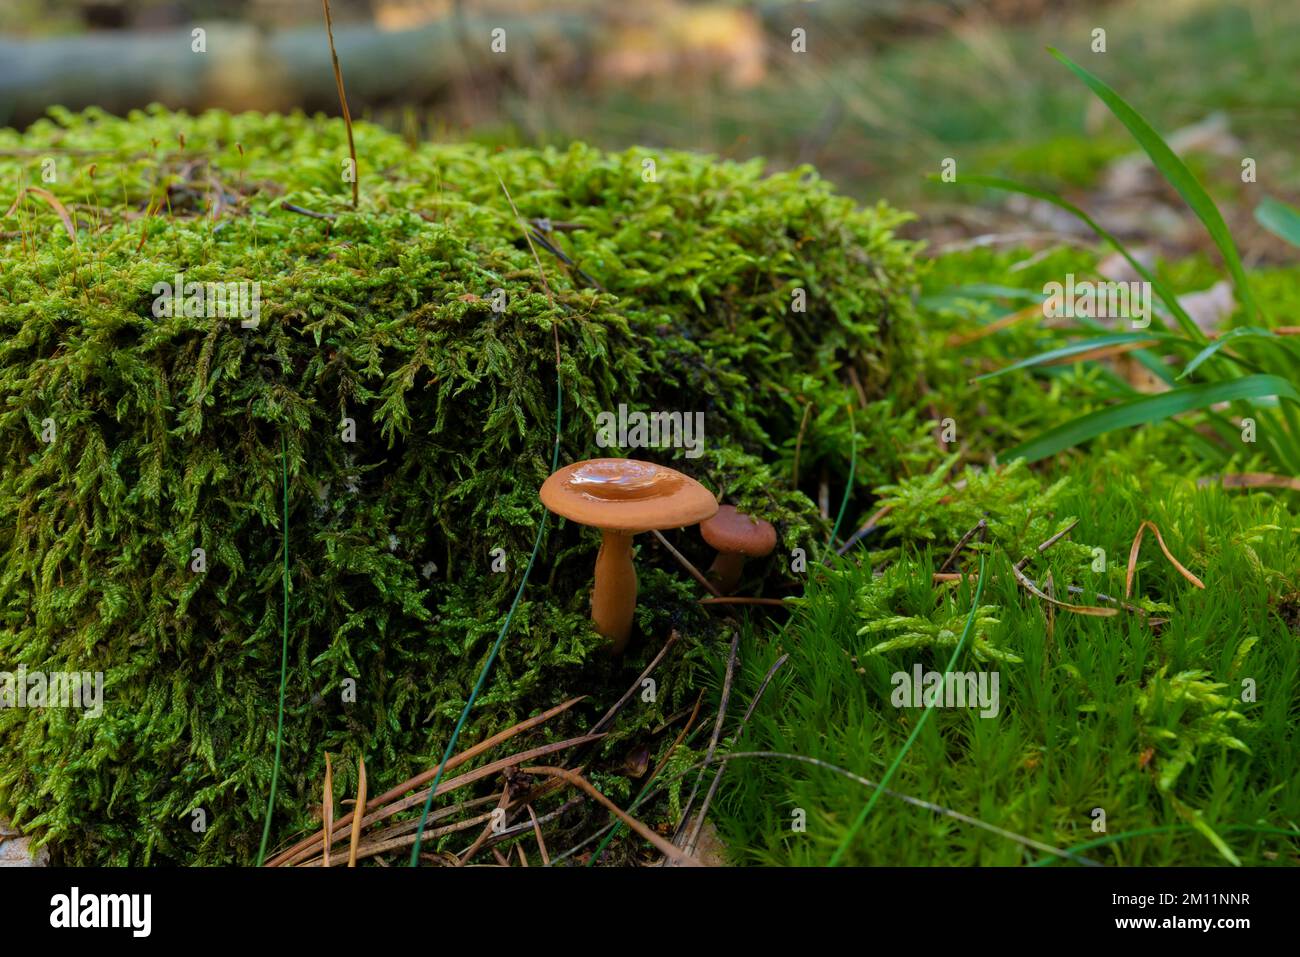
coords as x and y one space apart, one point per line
736 536
622 497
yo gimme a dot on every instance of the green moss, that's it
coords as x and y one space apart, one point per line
169 434
1186 727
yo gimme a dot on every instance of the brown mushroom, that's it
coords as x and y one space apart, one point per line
622 497
736 536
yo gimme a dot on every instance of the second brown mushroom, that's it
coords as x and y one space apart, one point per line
736 536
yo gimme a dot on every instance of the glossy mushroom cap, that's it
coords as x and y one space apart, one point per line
735 533
627 496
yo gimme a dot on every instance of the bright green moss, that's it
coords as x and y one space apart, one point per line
169 434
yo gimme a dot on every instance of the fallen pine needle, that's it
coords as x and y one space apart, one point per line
495 821
358 813
1133 556
980 526
299 851
445 786
686 563
541 844
693 841
645 788
1252 480
1049 543
374 847
613 712
329 804
377 844
675 854
1093 610
725 700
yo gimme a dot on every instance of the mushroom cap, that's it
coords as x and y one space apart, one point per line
627 496
734 532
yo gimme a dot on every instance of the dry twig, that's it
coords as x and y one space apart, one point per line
686 563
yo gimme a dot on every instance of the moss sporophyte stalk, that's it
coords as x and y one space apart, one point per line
141 499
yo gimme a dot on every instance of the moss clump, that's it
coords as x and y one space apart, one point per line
676 295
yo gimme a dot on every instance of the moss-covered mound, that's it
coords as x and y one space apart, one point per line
416 404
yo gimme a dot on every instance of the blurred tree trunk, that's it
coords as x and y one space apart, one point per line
247 68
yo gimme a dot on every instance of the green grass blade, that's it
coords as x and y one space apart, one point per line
1148 409
1249 333
1152 363
1166 294
1212 836
1280 219
1082 346
1175 171
1164 829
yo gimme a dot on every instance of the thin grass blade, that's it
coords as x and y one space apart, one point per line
1175 171
1080 347
1148 409
1247 333
1166 294
1279 219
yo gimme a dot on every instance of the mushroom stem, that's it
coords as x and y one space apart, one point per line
613 598
725 571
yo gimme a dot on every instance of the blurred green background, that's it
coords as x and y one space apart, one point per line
884 92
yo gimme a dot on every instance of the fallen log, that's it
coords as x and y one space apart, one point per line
243 67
